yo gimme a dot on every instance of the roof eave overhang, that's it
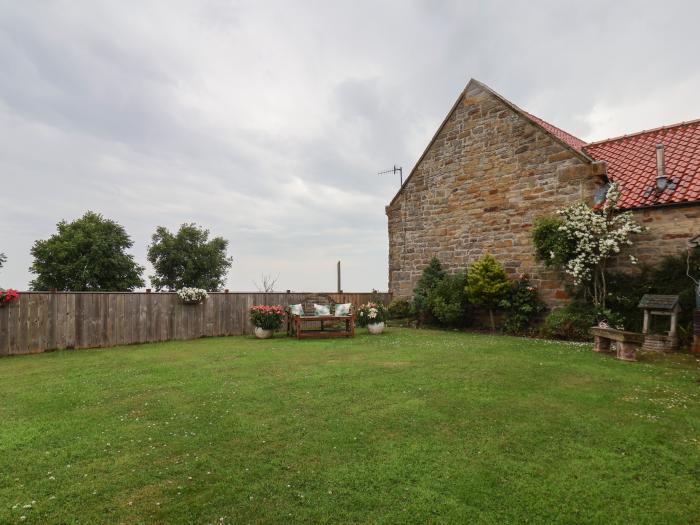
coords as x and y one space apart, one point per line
663 205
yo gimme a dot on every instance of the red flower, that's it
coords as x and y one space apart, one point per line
7 296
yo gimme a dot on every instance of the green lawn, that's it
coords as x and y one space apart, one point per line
408 427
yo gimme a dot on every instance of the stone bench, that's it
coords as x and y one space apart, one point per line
627 342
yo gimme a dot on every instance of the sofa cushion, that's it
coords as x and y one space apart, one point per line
343 309
322 309
296 309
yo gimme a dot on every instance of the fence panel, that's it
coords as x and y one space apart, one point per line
41 321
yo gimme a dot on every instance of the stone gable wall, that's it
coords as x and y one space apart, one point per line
487 176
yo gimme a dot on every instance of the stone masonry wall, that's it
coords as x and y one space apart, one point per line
669 230
489 173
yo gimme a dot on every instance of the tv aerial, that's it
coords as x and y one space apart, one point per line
396 169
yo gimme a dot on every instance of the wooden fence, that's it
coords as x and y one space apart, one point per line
41 321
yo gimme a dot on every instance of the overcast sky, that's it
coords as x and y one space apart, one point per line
266 122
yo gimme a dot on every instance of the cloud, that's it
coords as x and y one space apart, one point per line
267 123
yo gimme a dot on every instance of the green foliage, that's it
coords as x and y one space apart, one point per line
432 274
448 301
624 293
440 298
668 277
3 259
571 323
488 285
400 309
574 321
188 259
522 307
552 246
88 254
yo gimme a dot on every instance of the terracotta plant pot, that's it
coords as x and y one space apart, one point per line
375 328
263 333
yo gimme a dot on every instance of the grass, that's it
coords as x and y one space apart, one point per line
408 427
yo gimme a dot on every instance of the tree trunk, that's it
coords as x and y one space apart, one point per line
493 324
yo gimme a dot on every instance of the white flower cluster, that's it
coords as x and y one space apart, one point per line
597 234
192 295
372 313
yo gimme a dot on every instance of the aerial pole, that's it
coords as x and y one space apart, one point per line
396 169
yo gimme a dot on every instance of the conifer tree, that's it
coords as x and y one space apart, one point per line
432 275
488 285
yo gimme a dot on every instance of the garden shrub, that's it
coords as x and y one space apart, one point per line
488 285
552 246
574 321
432 274
448 301
668 277
522 307
571 323
440 297
400 309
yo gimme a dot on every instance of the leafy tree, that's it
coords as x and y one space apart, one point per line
188 259
488 285
3 258
88 254
431 276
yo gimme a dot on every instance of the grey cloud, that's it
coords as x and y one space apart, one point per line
267 122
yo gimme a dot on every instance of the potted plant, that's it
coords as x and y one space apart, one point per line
372 315
192 295
7 296
266 319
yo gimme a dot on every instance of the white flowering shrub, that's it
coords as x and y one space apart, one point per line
192 295
588 238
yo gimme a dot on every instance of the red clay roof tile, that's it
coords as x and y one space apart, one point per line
631 161
572 141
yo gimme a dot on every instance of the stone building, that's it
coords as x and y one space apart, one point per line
492 168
